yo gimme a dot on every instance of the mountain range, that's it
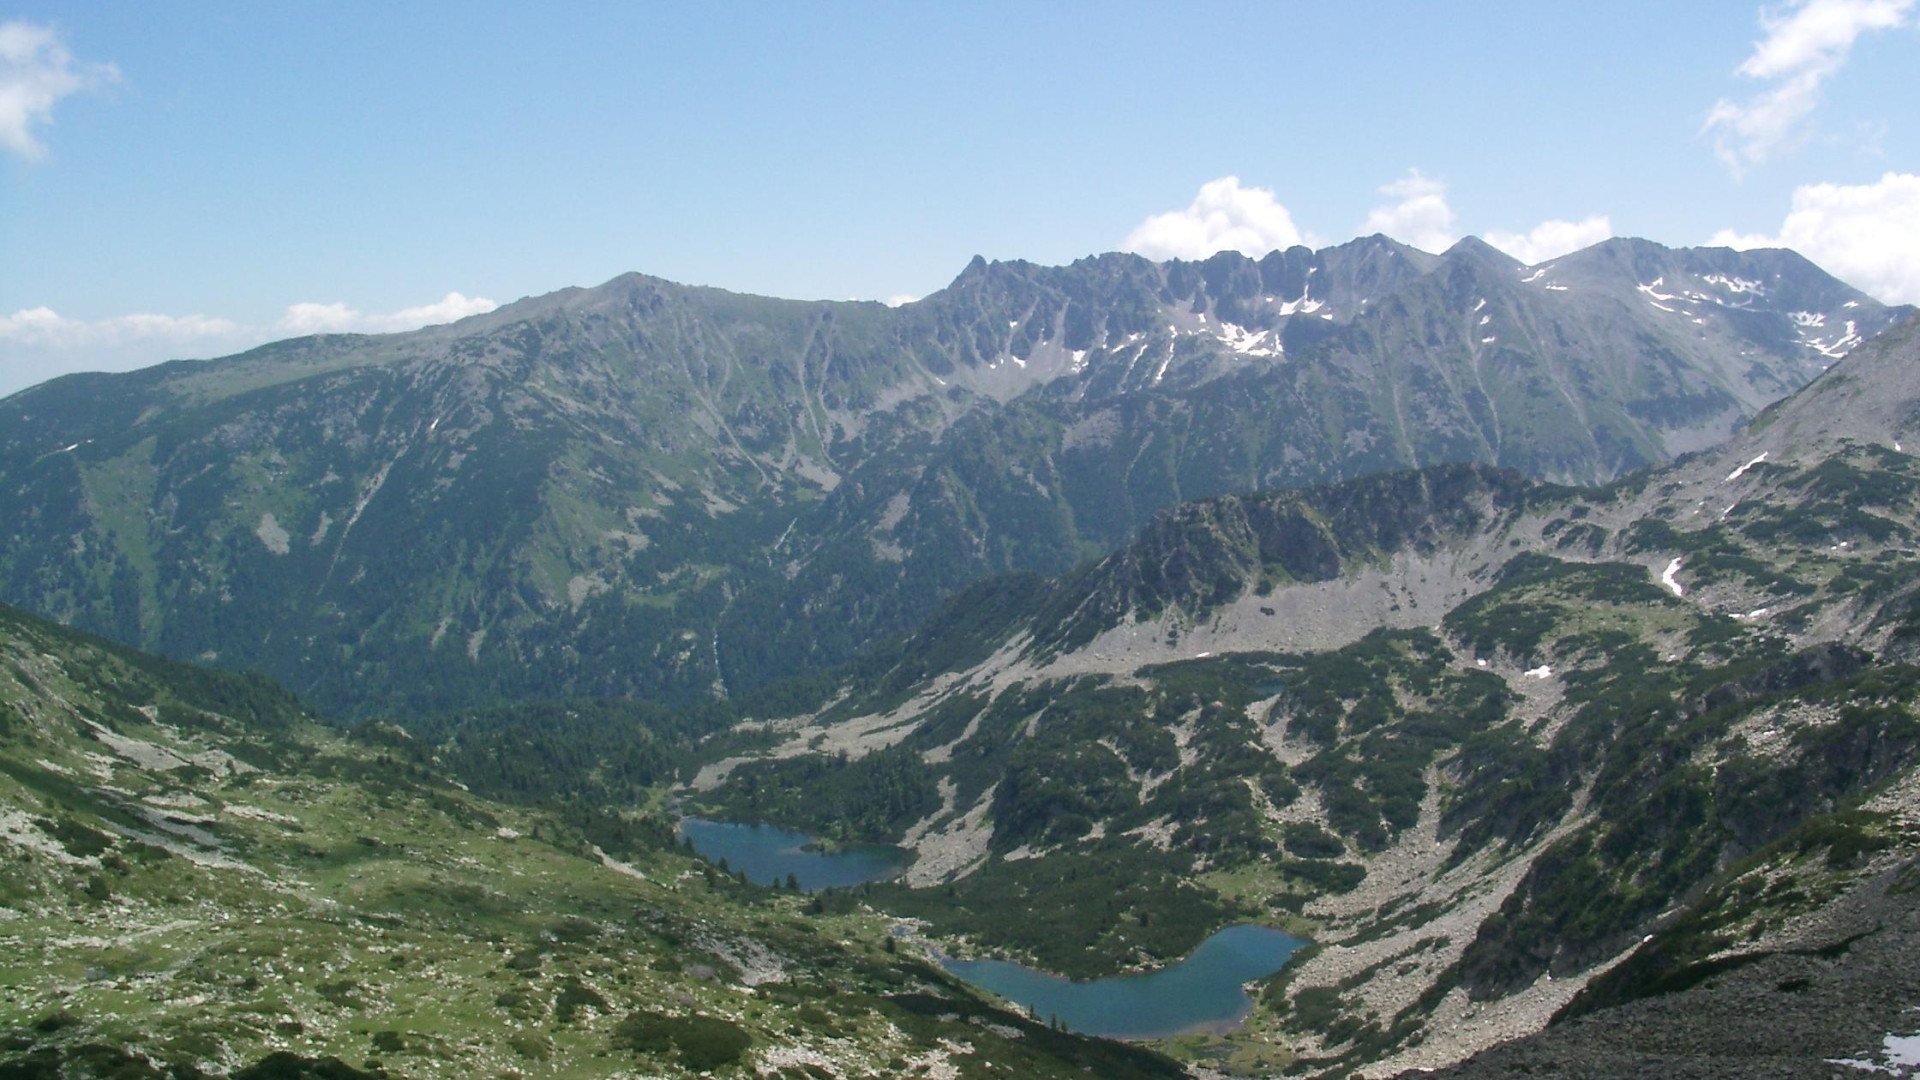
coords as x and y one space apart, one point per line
681 494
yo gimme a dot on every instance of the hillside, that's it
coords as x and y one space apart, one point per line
1490 742
674 492
202 881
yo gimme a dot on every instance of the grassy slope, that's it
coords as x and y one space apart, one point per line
198 874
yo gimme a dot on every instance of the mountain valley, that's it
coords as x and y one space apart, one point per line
1539 643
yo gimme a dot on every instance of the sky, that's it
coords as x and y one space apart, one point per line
191 179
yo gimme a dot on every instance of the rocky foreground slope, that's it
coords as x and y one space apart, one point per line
201 881
1504 750
676 492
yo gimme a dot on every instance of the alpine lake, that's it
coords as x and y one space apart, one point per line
1204 991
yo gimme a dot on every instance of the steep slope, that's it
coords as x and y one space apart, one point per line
680 492
202 882
1804 960
1487 737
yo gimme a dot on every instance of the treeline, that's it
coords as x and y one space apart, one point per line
876 797
577 752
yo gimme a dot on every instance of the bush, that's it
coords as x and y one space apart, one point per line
1309 841
704 1043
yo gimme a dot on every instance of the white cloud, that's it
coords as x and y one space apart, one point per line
311 318
1868 235
36 71
1419 218
39 343
1223 217
1552 239
45 328
900 300
1806 44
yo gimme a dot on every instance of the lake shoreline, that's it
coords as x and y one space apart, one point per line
772 855
1203 993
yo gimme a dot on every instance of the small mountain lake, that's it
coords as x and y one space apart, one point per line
1199 992
769 853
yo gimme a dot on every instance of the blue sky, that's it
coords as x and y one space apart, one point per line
234 172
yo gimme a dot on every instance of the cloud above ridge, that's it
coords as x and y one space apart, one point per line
1230 216
1552 239
1419 217
42 327
337 318
39 343
1224 216
1868 235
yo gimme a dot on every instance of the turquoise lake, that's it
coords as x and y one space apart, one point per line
1201 991
769 853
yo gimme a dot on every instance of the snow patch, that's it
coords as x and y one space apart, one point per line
1652 288
1303 306
1536 275
1240 340
1667 577
1839 347
1899 1056
1162 373
1742 470
1735 285
1542 672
